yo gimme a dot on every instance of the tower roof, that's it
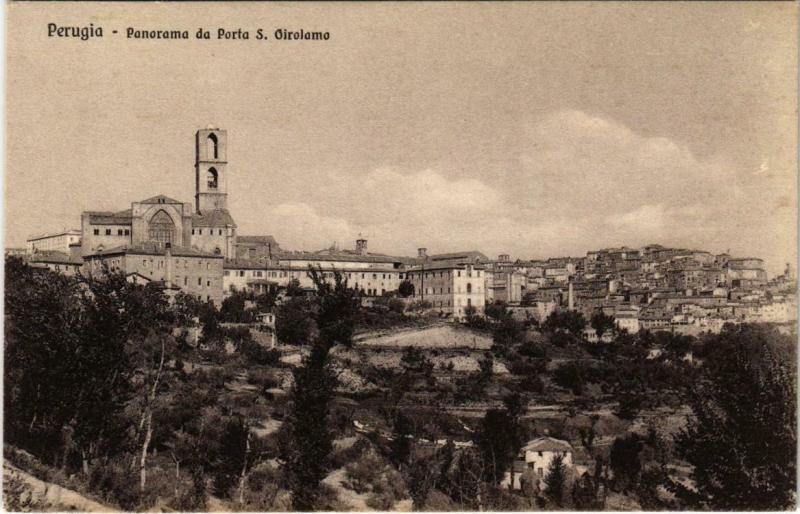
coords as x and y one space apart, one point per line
213 218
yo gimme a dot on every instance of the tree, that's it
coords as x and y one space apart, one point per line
406 288
571 321
496 310
506 333
69 374
741 439
336 312
485 370
556 479
625 462
311 440
293 288
314 382
601 322
570 376
294 323
401 444
232 458
498 443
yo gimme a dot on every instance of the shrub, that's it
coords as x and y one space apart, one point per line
363 472
387 490
259 354
570 376
532 384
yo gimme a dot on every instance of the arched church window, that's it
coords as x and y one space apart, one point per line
212 178
212 146
161 228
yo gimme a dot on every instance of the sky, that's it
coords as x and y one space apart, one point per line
534 129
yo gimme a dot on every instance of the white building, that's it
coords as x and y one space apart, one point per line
627 319
57 241
537 456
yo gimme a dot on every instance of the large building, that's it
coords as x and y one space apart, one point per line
54 242
452 283
176 243
373 274
192 271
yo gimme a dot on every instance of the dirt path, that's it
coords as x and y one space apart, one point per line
55 497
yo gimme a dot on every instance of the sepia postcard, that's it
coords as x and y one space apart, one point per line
386 256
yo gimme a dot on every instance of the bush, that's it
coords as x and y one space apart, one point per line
117 484
570 376
263 378
388 489
259 354
532 384
362 473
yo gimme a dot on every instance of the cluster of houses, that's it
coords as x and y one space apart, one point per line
196 248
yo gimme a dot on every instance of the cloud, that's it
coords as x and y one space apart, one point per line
582 182
301 224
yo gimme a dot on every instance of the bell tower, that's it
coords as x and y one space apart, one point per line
211 179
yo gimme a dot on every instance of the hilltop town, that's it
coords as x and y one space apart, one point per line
159 360
196 248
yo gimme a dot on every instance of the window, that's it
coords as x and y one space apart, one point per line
119 231
208 283
199 281
186 281
108 231
200 231
211 175
226 273
220 231
459 273
469 288
161 228
212 146
192 231
97 231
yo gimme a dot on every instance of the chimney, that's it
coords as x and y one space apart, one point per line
422 253
570 298
168 264
361 246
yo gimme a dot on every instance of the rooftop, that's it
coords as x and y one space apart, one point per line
55 257
150 248
547 444
216 218
70 232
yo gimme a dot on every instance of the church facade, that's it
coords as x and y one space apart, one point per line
207 226
179 244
